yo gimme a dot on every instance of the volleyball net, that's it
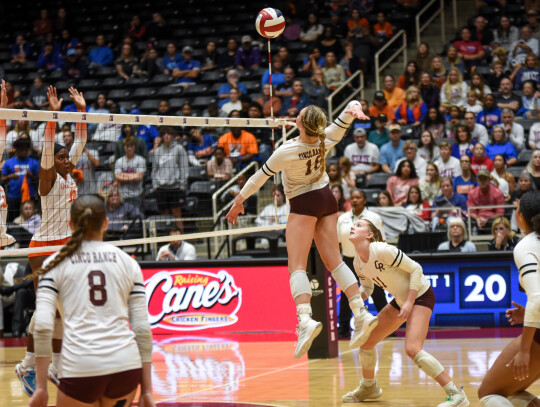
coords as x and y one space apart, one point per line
163 178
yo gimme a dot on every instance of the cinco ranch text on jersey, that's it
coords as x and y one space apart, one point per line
99 257
308 154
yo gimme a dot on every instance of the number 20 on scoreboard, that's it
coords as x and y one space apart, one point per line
482 287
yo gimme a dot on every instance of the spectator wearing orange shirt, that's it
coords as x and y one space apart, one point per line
382 29
394 95
356 24
380 106
239 145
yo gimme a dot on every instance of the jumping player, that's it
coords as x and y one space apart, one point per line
98 287
388 267
58 190
313 216
518 365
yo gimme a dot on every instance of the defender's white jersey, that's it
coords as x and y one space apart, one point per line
55 207
5 239
392 270
92 289
527 258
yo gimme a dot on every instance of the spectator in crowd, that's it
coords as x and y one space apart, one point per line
339 28
467 180
101 55
473 104
423 58
379 136
210 57
393 150
285 89
334 74
67 41
497 74
350 61
506 98
344 205
234 103
382 29
491 114
515 131
201 145
37 99
430 187
219 168
485 194
267 103
481 33
413 109
292 105
239 145
328 42
462 142
480 160
157 29
478 86
287 59
187 72
43 25
292 30
170 175
74 67
528 72
434 122
227 60
20 50
429 91
525 184
478 132
171 59
21 293
453 121
457 238
416 204
525 45
232 83
278 75
448 203
150 64
14 97
499 144
380 106
250 204
317 89
469 50
136 29
177 250
62 21
394 96
504 238
28 219
448 165
356 24
453 60
313 60
505 180
334 177
534 132
347 173
502 55
267 216
49 60
437 71
20 172
363 155
427 147
529 100
248 56
87 164
119 213
312 30
127 64
453 91
127 131
410 150
129 172
384 199
505 34
398 185
410 77
21 129
533 168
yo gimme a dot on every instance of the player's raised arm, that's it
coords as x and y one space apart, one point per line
47 172
3 128
338 128
80 128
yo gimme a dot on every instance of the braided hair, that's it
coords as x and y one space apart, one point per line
315 122
377 235
88 213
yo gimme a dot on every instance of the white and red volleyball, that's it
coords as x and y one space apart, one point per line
270 22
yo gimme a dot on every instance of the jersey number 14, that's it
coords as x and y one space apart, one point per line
316 165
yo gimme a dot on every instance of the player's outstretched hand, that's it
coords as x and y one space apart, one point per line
78 98
3 95
235 210
52 96
40 398
146 400
356 111
515 315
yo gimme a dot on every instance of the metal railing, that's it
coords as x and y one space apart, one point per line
433 16
402 49
344 85
469 220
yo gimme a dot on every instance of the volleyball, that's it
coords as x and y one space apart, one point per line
270 22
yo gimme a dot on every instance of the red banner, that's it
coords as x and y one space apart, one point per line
231 299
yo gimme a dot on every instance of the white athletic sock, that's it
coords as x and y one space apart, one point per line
368 382
450 388
356 303
56 359
303 311
29 360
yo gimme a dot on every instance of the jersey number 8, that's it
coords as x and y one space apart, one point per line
315 166
98 293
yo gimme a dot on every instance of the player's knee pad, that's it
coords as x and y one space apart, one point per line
299 283
494 400
521 398
32 323
344 276
58 331
431 366
368 358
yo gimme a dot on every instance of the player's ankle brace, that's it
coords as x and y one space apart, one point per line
368 358
428 364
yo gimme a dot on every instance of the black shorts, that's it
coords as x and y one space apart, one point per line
91 389
537 336
169 198
425 300
318 203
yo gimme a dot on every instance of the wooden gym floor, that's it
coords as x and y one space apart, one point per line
243 371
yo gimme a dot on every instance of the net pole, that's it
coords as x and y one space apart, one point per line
272 116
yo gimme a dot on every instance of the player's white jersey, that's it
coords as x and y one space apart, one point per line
55 207
92 289
392 270
527 258
5 239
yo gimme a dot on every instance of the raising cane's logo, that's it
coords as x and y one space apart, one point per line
189 300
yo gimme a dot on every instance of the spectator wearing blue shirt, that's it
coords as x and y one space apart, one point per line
499 144
447 199
188 70
529 72
232 83
102 55
393 150
278 77
465 182
14 171
171 59
19 51
248 55
313 60
201 146
491 114
49 59
75 67
293 104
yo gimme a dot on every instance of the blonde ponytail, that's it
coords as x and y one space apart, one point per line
315 121
377 235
